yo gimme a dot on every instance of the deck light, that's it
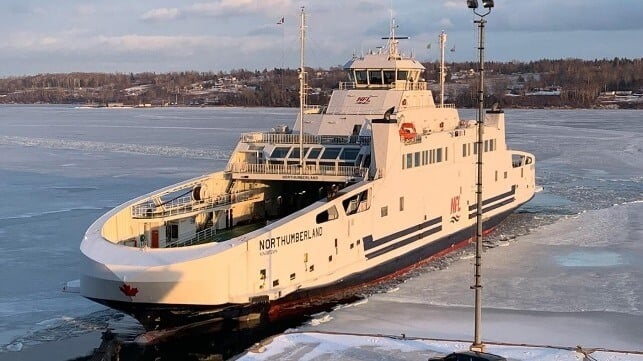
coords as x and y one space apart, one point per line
487 4
472 4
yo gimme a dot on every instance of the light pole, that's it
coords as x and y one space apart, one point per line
477 342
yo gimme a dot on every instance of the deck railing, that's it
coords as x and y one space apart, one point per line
398 85
280 138
307 170
449 106
187 204
194 238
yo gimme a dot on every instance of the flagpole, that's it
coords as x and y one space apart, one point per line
283 55
302 90
443 41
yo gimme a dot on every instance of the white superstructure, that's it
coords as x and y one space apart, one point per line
386 181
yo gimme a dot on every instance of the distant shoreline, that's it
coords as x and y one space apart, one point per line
636 106
546 83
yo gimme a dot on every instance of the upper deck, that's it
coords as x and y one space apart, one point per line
278 156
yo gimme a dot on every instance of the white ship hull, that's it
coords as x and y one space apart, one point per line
387 181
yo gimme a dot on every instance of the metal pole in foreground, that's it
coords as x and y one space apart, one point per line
477 342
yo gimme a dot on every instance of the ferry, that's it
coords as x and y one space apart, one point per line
380 180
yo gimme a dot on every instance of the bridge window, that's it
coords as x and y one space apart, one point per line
389 76
375 77
360 77
314 153
349 154
402 74
331 153
295 152
280 152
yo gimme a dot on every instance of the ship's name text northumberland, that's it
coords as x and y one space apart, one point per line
272 243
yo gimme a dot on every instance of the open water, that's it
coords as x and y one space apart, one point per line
62 167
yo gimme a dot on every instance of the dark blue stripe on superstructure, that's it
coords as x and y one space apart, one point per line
404 242
370 243
494 199
491 208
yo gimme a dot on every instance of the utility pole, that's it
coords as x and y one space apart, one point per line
477 342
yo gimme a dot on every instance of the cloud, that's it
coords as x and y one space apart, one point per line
152 43
571 15
454 4
238 7
31 42
445 22
26 9
161 14
85 10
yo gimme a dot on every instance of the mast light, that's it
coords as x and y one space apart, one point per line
473 4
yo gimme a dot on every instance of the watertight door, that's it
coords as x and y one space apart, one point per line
155 238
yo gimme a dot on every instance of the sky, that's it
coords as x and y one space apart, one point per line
45 36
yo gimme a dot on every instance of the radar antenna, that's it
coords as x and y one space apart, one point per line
393 40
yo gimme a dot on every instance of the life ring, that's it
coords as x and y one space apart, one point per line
403 101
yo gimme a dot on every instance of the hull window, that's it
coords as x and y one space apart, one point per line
327 215
384 211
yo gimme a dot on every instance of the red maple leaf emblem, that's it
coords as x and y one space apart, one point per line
128 290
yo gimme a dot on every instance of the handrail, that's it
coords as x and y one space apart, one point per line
450 106
280 138
297 170
193 238
398 85
187 204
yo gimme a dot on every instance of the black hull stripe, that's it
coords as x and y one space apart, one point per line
494 199
369 243
491 208
404 242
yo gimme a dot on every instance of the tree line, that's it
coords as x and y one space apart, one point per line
581 82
